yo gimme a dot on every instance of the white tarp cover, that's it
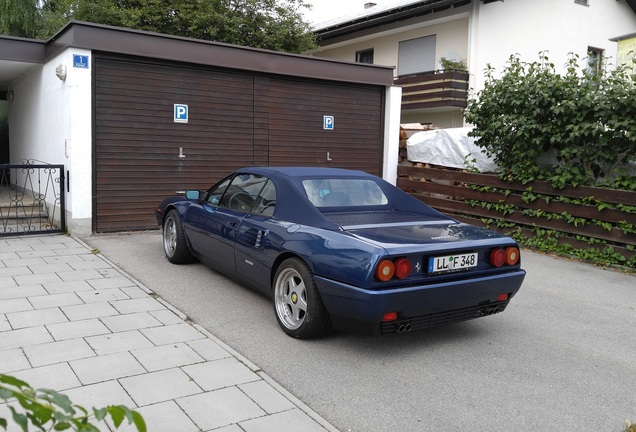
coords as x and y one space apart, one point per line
451 148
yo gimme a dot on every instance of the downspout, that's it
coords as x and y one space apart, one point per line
473 27
392 110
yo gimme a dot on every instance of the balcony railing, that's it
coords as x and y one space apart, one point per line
435 89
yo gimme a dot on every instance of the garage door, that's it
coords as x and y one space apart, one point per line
297 135
143 155
234 119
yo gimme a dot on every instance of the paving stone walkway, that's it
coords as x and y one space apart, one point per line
71 321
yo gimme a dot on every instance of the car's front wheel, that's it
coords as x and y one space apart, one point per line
174 242
299 309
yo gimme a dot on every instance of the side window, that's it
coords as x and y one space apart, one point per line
237 193
243 192
217 191
266 202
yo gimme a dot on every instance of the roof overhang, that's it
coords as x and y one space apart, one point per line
623 37
389 16
18 55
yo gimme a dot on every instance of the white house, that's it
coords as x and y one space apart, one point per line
413 36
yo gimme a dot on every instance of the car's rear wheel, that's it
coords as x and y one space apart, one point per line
299 309
174 242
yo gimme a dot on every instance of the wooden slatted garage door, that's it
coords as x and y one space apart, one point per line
235 119
296 134
137 142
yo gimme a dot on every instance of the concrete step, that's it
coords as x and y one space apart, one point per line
18 217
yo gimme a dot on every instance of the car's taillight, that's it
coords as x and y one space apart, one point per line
385 270
497 257
508 256
400 268
403 268
512 255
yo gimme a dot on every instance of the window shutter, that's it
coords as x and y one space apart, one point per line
417 55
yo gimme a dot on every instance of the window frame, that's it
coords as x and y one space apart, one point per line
220 194
360 56
595 58
417 55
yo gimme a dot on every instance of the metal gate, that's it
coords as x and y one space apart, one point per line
31 198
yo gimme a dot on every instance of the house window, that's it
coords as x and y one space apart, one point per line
582 2
365 56
594 60
417 55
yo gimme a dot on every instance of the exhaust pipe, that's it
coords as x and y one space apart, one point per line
403 328
491 311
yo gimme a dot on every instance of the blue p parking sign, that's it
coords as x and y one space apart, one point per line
180 113
327 122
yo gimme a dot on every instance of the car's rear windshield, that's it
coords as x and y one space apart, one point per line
344 192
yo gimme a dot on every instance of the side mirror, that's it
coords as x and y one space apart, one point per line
193 195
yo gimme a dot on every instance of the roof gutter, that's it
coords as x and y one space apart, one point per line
388 17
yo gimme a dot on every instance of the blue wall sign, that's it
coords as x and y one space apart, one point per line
80 61
180 113
327 122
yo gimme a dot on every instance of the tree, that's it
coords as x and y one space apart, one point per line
269 24
19 18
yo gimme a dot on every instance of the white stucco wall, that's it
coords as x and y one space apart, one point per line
559 27
451 42
440 119
50 121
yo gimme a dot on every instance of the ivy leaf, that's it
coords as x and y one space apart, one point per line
117 413
138 421
20 419
62 426
100 414
7 379
58 399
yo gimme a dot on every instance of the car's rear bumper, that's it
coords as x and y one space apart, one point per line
361 310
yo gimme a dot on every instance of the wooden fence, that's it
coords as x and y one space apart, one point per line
584 216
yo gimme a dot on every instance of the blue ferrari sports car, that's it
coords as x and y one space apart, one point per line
342 249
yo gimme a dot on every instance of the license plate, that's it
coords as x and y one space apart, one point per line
452 263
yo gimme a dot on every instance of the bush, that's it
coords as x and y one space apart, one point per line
577 128
49 410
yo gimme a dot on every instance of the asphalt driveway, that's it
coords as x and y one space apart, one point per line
561 357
